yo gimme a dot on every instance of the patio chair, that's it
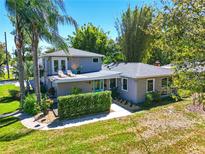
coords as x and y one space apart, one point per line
61 74
70 74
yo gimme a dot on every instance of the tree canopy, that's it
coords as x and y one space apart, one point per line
133 35
184 36
94 39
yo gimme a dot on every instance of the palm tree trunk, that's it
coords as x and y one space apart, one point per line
19 44
35 41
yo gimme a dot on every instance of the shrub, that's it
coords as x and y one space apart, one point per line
175 95
75 91
152 97
15 94
184 93
30 106
73 106
46 104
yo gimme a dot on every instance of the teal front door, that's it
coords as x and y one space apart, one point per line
98 85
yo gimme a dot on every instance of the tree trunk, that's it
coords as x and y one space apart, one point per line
19 45
35 41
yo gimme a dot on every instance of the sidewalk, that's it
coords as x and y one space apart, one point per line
30 122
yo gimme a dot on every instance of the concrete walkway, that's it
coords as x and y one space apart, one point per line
9 114
30 122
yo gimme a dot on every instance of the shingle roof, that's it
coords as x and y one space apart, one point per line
72 53
138 70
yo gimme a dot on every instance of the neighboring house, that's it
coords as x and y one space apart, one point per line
132 80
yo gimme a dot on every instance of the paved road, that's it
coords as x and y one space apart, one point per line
15 82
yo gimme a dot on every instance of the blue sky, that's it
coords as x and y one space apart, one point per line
101 13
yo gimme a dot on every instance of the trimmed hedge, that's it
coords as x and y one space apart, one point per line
73 106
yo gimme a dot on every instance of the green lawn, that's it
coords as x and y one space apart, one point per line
7 103
169 128
5 76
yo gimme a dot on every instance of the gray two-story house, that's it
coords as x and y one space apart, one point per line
86 66
132 80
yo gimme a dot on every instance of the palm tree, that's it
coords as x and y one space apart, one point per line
40 20
42 23
15 9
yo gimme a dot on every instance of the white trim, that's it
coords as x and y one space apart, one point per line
122 84
82 78
153 85
59 59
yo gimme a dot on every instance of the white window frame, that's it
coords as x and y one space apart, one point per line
59 63
153 85
115 83
95 58
122 84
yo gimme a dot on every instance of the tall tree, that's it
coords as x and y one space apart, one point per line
158 50
2 58
94 39
184 23
132 29
16 10
40 20
42 23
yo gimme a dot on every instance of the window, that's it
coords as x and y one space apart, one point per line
55 65
113 83
98 85
124 84
63 68
164 86
95 60
59 63
150 85
164 82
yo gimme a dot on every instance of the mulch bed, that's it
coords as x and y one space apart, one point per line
50 117
196 108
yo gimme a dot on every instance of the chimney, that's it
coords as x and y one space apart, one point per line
157 63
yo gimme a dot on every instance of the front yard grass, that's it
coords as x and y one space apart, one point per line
163 129
7 103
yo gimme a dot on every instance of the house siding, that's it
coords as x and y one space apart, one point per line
85 62
63 89
131 94
141 87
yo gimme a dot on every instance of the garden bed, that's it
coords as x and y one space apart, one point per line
49 118
127 105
